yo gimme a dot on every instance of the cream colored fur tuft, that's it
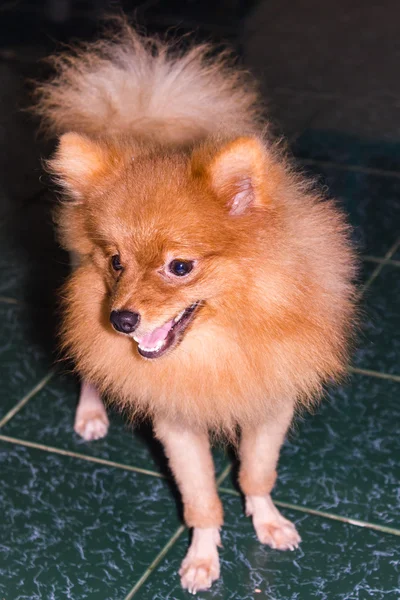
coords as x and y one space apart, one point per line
136 85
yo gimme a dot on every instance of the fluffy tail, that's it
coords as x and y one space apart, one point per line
131 84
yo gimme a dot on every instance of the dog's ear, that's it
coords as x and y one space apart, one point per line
80 164
238 174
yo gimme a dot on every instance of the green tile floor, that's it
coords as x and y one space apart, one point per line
103 520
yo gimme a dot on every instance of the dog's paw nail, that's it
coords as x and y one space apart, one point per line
279 535
196 578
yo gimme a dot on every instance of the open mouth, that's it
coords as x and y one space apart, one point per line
162 339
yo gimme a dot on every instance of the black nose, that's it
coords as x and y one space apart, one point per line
124 321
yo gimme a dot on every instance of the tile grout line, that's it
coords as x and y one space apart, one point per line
168 545
326 515
9 300
380 266
343 167
78 455
378 374
224 475
333 95
375 273
39 386
87 457
155 562
375 259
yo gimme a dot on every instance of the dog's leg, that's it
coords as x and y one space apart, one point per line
192 465
91 421
259 453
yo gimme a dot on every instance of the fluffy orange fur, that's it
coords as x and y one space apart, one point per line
165 161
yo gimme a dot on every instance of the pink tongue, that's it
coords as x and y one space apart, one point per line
151 340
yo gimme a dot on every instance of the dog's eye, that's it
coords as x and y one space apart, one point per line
116 263
180 268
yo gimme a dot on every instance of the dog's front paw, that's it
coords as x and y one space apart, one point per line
270 526
280 535
198 575
201 564
92 426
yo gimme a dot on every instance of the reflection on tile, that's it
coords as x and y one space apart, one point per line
344 459
372 203
72 529
379 347
48 419
357 132
334 561
23 357
287 113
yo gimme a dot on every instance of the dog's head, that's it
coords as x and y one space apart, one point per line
172 235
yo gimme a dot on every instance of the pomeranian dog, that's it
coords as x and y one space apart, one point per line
212 288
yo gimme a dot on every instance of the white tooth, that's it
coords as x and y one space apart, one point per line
154 349
179 316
